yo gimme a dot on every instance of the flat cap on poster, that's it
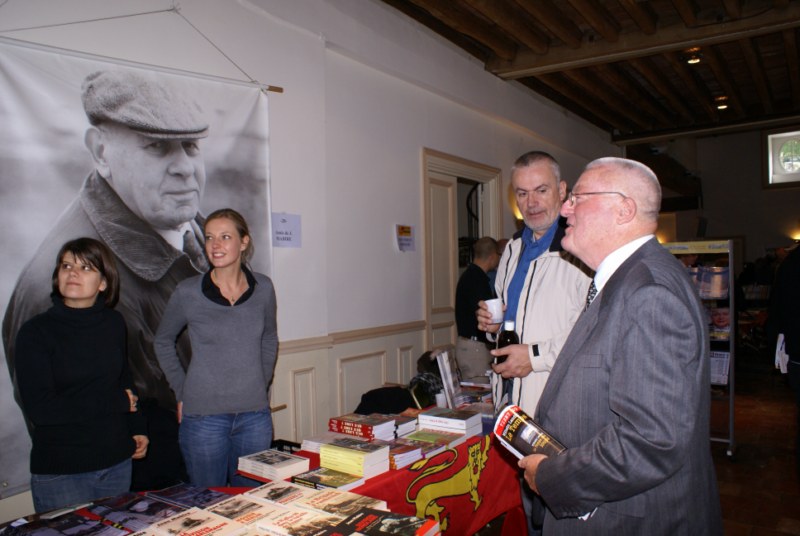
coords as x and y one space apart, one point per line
143 102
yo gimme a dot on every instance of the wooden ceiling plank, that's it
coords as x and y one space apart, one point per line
470 24
686 11
631 46
683 71
733 8
550 16
633 91
724 79
638 12
510 21
657 80
793 64
757 73
620 105
598 18
623 123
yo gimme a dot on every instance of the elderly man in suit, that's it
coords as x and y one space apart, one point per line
629 394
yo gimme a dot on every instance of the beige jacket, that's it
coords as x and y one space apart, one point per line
552 299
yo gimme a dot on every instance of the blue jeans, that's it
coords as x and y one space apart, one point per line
212 444
57 491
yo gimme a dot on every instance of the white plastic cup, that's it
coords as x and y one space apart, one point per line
441 400
496 309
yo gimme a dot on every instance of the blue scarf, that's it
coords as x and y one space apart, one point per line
531 249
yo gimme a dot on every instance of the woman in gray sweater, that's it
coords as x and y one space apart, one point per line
223 394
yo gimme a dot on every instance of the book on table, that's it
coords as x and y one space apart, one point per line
288 521
449 419
403 452
371 522
328 500
66 524
404 425
517 431
448 369
244 509
273 464
132 511
350 455
313 444
197 522
323 477
188 495
372 426
441 438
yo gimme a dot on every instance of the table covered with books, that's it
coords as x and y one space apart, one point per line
463 487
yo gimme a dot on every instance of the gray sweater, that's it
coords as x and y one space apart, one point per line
234 348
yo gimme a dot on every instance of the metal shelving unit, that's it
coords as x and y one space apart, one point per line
709 251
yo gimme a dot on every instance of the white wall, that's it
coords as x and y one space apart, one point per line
365 91
736 204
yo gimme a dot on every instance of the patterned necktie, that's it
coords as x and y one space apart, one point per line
590 295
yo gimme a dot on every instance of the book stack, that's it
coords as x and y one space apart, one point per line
188 495
356 457
132 512
403 452
458 421
197 522
404 425
273 464
244 509
436 440
328 501
287 521
372 426
322 477
370 522
312 444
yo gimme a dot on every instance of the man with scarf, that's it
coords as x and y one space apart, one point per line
544 290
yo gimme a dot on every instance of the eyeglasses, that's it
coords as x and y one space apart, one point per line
572 197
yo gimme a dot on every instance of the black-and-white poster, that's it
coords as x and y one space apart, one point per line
61 179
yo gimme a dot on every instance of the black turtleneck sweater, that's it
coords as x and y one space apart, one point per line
72 373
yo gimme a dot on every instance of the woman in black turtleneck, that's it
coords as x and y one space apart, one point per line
75 386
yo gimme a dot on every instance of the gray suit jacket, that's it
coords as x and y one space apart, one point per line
629 396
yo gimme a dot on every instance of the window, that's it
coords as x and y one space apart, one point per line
782 158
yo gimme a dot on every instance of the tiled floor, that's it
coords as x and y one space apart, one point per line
759 485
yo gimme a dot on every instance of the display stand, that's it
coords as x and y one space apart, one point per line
712 273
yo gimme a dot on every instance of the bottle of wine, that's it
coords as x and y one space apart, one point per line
506 337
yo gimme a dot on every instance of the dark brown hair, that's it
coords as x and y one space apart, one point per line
97 255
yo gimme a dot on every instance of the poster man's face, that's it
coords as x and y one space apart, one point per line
160 180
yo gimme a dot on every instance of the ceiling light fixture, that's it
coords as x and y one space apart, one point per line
693 55
721 101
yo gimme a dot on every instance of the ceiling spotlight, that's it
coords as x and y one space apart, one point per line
721 101
693 55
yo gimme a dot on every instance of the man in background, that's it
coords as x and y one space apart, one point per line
501 247
472 352
544 291
142 201
629 395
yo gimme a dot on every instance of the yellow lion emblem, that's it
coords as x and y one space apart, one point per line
465 481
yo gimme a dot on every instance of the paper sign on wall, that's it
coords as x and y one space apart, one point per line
286 230
405 237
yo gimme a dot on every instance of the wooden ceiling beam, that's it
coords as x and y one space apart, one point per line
619 104
588 101
633 91
793 64
757 73
688 79
470 24
686 11
721 73
508 19
641 15
668 39
733 8
662 86
598 18
547 13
